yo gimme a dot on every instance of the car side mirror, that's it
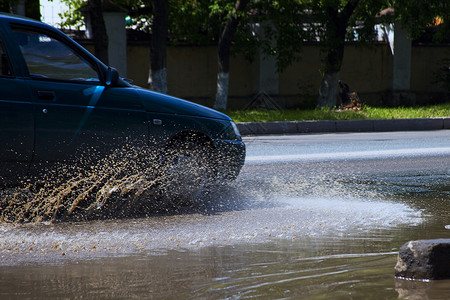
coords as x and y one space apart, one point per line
112 76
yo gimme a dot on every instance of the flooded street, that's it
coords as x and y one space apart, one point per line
310 217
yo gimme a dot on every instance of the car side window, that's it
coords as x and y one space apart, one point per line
5 66
48 57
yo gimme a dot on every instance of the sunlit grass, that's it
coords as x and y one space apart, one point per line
372 113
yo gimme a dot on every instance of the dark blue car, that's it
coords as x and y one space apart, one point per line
58 103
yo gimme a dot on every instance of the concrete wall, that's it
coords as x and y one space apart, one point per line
192 73
138 63
426 60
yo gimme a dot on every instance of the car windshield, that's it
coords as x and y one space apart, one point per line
47 57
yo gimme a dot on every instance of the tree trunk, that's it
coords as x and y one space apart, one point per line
33 9
223 80
336 29
19 8
223 75
160 27
98 30
328 90
26 8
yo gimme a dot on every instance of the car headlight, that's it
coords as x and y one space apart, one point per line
236 130
230 132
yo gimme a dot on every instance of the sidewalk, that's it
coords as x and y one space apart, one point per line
296 127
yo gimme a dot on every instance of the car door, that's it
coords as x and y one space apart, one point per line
16 121
75 113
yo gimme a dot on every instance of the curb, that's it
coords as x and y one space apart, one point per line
296 127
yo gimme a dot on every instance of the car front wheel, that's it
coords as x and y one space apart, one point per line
189 169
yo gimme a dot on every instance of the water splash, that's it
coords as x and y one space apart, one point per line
130 182
84 190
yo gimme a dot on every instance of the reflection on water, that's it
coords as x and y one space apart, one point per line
415 290
270 271
314 242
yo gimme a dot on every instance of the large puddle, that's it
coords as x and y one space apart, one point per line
276 210
271 238
293 218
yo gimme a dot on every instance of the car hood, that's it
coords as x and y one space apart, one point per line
160 103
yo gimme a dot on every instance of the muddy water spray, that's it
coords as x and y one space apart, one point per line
84 190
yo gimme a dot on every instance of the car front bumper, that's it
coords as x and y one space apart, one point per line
230 159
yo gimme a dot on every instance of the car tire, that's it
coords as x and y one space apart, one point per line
189 170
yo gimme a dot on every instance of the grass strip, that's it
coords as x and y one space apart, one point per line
367 113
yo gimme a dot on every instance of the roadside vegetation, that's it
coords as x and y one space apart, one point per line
370 113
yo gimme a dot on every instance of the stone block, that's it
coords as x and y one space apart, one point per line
426 124
316 126
446 123
279 127
391 125
354 126
262 128
424 259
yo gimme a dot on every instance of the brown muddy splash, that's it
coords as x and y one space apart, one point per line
118 185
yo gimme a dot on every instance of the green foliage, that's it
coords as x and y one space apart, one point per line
31 7
190 21
416 15
72 17
284 25
194 22
282 29
138 10
291 23
5 5
372 113
140 13
202 21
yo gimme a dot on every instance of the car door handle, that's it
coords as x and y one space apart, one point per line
46 95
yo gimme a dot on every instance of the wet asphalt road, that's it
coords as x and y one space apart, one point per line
347 155
291 186
310 217
400 150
